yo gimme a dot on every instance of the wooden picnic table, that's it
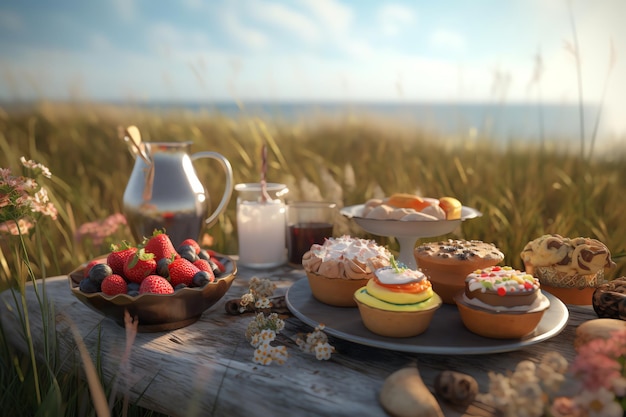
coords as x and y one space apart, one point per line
206 368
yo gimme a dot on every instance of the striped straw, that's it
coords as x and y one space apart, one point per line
264 195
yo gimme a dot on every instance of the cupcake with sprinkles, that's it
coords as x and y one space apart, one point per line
501 303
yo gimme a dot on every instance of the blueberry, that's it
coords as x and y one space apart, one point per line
188 252
99 272
133 293
88 286
204 254
162 268
200 279
180 286
214 268
132 286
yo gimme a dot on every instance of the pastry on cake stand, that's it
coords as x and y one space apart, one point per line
407 232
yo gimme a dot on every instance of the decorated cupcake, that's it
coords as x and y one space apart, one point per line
447 263
571 269
397 302
501 303
337 268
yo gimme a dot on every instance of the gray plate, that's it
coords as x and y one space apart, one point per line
446 334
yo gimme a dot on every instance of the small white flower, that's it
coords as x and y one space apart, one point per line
262 355
600 403
556 361
323 351
279 354
246 299
263 303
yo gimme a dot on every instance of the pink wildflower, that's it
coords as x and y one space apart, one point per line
565 407
597 362
98 231
22 198
22 227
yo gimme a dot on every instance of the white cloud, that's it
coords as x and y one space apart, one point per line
443 38
356 49
247 35
296 23
332 15
167 33
125 9
393 17
193 4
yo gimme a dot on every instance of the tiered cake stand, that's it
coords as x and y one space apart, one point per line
407 232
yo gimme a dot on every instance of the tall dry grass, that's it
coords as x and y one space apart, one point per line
523 190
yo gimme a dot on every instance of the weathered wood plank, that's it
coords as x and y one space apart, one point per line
207 369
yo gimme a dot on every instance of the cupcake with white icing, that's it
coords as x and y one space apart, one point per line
501 303
341 265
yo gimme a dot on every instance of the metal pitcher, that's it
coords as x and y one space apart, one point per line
164 192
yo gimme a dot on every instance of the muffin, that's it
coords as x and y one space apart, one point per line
501 303
397 302
609 299
447 263
570 269
340 266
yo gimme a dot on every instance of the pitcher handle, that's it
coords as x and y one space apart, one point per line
228 188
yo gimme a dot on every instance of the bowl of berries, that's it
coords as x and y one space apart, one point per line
163 287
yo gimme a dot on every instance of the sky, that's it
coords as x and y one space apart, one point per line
323 50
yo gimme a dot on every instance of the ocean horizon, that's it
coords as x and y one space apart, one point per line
502 122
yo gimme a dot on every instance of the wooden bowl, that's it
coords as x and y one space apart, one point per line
158 312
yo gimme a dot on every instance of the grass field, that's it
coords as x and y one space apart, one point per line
523 191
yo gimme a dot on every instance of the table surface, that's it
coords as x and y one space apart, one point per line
206 368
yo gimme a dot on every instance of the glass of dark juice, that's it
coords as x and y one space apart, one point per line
308 222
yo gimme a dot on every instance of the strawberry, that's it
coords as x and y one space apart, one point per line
113 285
182 271
191 242
119 255
160 245
139 266
155 284
204 265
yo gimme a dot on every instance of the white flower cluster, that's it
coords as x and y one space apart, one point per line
265 353
261 331
260 291
522 393
316 343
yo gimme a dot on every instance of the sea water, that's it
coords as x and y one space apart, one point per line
496 121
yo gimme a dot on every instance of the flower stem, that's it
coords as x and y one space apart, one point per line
27 332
